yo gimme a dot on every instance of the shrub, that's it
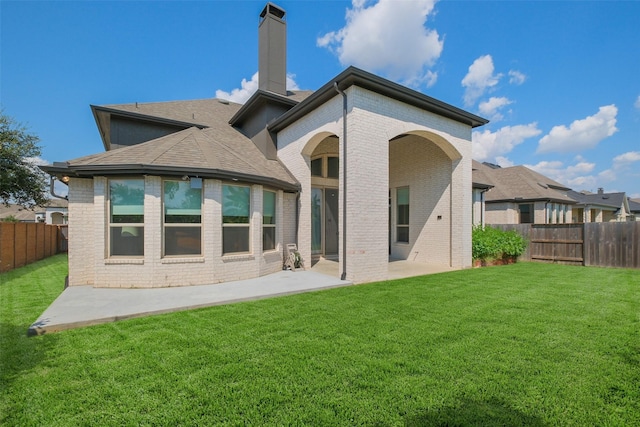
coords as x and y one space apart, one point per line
492 243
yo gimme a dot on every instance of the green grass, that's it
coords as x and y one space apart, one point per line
527 344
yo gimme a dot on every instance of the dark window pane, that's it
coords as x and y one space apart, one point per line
268 238
333 167
316 167
182 241
526 213
403 215
127 241
235 239
403 234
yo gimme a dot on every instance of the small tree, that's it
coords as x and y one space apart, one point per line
21 181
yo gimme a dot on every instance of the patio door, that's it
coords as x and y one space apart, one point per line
324 221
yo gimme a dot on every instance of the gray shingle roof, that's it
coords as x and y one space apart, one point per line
221 152
522 183
480 177
613 200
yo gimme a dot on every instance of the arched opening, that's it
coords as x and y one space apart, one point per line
420 213
57 218
324 168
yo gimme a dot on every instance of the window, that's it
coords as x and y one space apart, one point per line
182 218
268 220
236 202
326 169
126 217
316 167
333 167
402 217
526 213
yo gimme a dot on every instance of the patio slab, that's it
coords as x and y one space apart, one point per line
79 306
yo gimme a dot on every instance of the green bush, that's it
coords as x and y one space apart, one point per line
491 243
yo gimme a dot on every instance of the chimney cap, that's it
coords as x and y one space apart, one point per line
272 9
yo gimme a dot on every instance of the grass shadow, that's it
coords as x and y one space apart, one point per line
20 353
469 412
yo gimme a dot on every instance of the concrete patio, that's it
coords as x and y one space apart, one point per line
79 306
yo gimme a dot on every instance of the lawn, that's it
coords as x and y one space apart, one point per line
526 344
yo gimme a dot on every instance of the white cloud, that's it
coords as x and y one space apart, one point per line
504 162
479 79
491 107
637 103
488 146
516 77
624 160
249 87
389 37
581 134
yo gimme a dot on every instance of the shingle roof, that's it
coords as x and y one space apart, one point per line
221 152
634 205
613 200
18 212
522 183
480 177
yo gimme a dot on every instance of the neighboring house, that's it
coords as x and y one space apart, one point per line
481 183
206 191
600 207
17 212
634 208
55 212
522 196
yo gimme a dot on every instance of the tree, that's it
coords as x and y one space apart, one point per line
21 181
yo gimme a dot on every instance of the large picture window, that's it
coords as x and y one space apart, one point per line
268 220
402 215
182 218
126 217
236 203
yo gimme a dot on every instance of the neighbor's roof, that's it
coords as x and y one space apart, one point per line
519 183
220 152
612 200
634 205
480 177
20 213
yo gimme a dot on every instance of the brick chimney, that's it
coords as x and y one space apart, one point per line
272 50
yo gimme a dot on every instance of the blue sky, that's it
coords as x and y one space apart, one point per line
560 81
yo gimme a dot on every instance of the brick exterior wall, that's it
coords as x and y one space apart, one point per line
373 120
89 262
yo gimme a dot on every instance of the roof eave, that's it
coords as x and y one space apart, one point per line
257 99
355 76
89 171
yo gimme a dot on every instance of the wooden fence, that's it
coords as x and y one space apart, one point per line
23 243
604 244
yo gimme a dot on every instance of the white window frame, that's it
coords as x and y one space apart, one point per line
237 225
166 225
134 226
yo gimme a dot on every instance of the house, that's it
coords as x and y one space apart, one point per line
601 206
54 212
16 213
522 196
634 208
206 191
481 183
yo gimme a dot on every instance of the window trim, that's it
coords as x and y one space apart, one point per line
237 225
111 224
397 219
166 225
275 220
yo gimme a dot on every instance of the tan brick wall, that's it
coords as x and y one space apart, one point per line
373 120
81 232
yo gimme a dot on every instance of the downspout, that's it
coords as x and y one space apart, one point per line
52 180
343 276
